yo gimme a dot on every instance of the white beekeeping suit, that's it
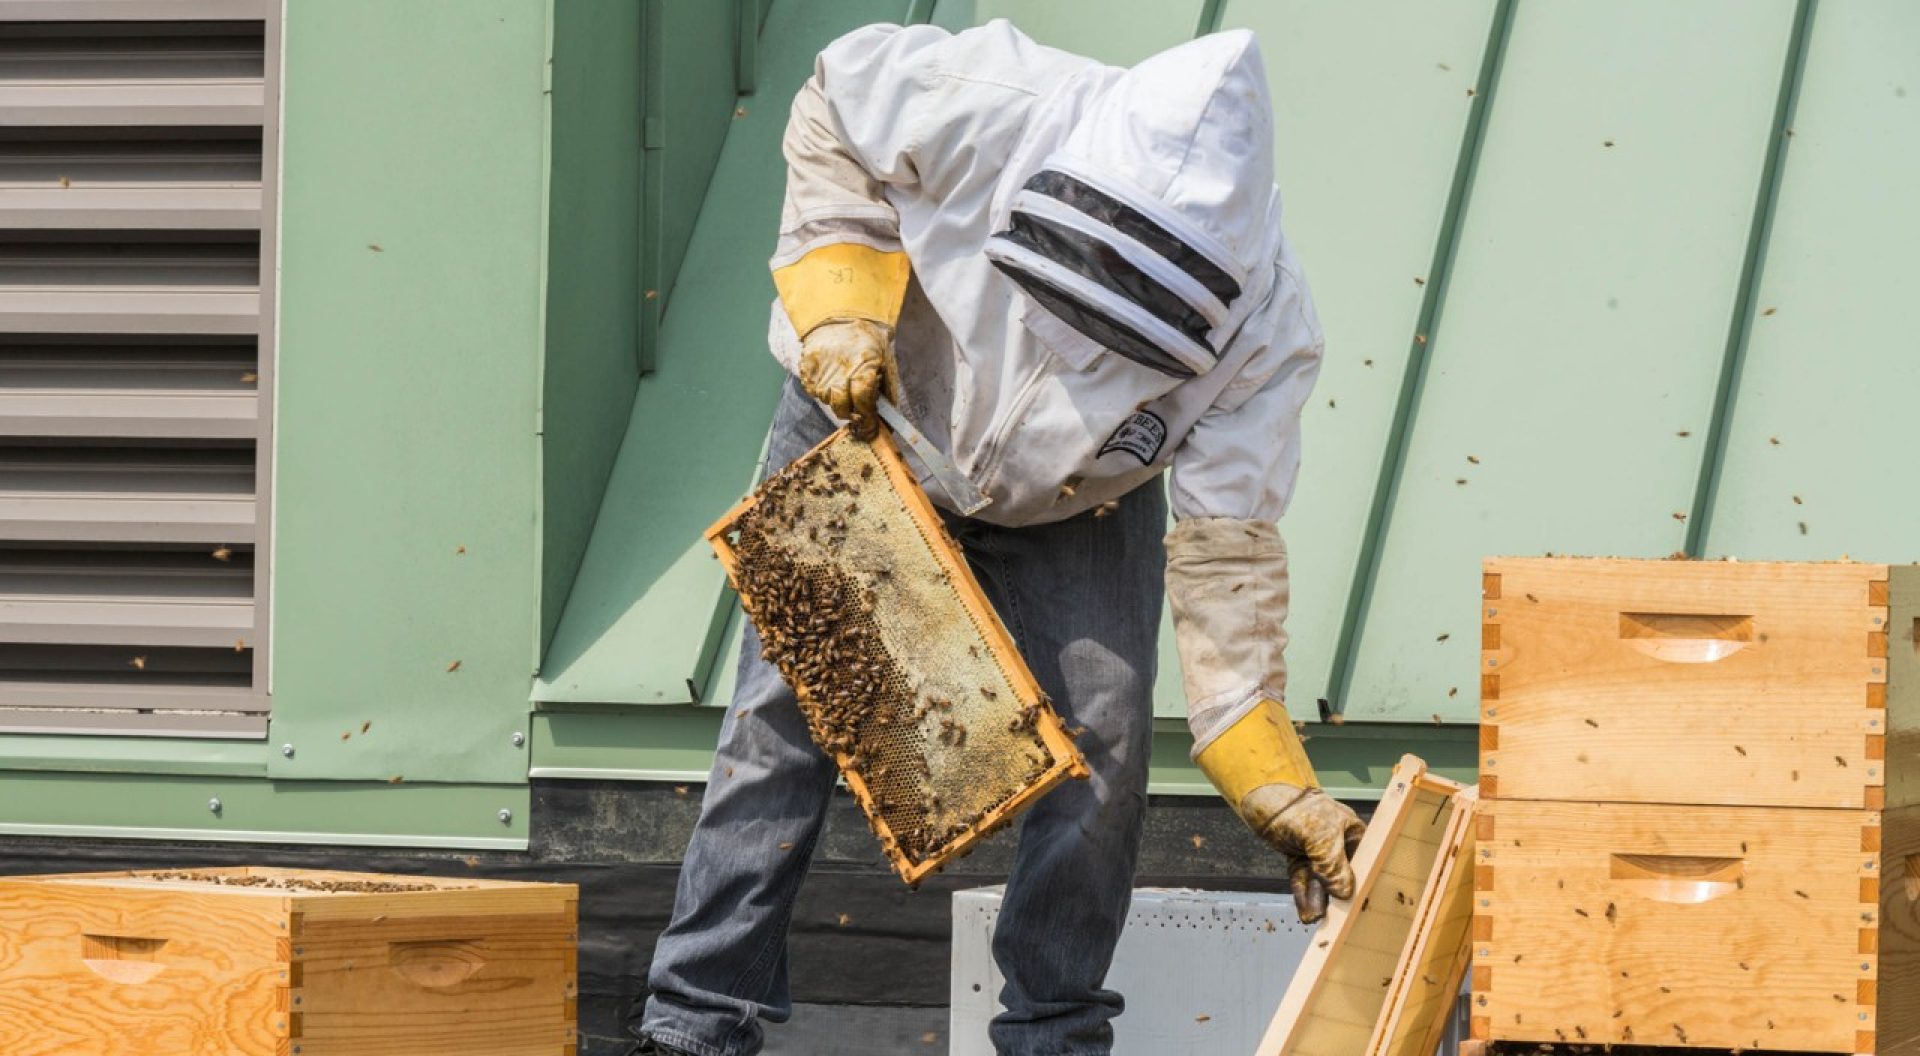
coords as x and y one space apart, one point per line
1073 278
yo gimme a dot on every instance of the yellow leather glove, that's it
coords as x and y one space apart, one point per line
1261 769
847 364
844 300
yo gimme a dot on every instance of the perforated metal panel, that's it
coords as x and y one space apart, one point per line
135 349
1201 971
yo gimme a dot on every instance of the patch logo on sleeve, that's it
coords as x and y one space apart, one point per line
1142 436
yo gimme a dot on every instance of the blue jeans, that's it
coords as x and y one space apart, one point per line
1082 598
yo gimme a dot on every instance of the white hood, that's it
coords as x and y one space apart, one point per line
1141 209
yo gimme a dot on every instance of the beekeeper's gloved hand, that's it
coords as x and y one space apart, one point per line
844 300
1260 767
1316 832
848 365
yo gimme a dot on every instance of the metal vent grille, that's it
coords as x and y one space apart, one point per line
135 352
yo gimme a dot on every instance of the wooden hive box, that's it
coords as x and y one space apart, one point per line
1383 972
1701 805
282 962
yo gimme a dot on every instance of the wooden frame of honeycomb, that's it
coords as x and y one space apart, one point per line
906 675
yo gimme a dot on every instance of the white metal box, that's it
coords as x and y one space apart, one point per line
1202 971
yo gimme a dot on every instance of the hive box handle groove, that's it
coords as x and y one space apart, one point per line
1680 879
121 958
1686 638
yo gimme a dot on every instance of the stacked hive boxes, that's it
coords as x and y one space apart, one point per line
1701 806
285 962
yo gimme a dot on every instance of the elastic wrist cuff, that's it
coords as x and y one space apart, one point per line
1260 749
844 280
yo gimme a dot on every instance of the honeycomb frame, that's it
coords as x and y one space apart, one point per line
1026 709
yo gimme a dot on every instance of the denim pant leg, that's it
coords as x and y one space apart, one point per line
721 965
1083 599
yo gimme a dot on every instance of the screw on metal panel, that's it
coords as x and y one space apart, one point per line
506 816
519 739
214 804
287 750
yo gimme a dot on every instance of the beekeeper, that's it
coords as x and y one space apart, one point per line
1071 277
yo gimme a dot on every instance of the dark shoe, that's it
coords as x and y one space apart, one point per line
655 1048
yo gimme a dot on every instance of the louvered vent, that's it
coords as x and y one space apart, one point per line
135 352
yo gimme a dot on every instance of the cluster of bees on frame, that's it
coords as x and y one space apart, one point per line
815 622
816 625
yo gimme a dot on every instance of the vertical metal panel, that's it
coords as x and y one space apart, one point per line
594 197
267 343
691 47
648 611
1371 105
135 336
1583 328
410 337
1822 416
1740 327
746 56
1121 32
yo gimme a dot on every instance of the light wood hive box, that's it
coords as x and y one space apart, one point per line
283 962
1383 973
1700 821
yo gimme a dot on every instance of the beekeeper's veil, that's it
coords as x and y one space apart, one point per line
1152 228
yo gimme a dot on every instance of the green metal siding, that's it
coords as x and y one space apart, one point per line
407 527
1370 109
1578 347
178 807
1121 32
1527 228
593 276
691 86
1829 370
648 613
461 316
